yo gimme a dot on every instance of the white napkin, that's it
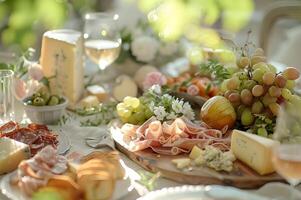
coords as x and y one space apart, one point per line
85 139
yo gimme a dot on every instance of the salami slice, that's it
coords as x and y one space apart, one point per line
26 136
37 136
8 127
38 127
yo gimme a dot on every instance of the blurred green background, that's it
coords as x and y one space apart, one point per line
22 22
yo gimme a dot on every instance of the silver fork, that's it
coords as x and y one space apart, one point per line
103 141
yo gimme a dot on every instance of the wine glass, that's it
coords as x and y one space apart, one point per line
287 155
287 163
102 38
6 96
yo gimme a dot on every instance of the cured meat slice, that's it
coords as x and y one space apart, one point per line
35 135
139 145
173 137
38 127
129 132
154 130
141 130
26 136
35 172
8 127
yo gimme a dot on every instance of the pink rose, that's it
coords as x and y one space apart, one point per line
35 72
20 89
154 78
25 89
32 86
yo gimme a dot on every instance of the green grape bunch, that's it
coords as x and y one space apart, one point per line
257 91
133 110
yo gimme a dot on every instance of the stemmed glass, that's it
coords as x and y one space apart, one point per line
287 155
102 39
6 96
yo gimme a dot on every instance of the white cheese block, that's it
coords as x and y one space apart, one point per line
98 91
12 153
62 62
253 150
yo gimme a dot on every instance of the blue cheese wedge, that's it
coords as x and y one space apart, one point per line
62 62
255 151
12 153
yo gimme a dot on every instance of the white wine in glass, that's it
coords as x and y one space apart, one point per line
287 162
102 39
102 52
287 155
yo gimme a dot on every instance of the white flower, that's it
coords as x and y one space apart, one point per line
187 111
160 112
177 106
144 48
166 97
156 89
171 115
168 49
151 106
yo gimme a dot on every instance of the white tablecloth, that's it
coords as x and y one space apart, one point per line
77 136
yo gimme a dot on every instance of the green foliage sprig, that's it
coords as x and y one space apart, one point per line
148 180
97 115
20 65
215 70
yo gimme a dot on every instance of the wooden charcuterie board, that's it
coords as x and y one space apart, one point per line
241 176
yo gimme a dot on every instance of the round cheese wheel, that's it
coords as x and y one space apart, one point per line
125 86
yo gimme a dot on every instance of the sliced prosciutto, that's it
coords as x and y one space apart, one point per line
173 137
35 172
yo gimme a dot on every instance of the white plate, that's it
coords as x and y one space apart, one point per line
122 188
214 192
64 142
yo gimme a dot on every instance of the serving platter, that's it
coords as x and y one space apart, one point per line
241 177
13 192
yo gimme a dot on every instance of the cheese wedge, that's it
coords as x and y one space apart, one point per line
253 150
62 62
195 152
12 153
89 102
98 91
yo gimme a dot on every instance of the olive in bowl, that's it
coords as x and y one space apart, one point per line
44 108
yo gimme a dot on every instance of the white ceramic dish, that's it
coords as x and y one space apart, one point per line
14 193
189 192
45 114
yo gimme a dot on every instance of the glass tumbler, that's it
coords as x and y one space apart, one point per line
6 96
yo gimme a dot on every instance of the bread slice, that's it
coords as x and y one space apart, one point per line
111 157
97 186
